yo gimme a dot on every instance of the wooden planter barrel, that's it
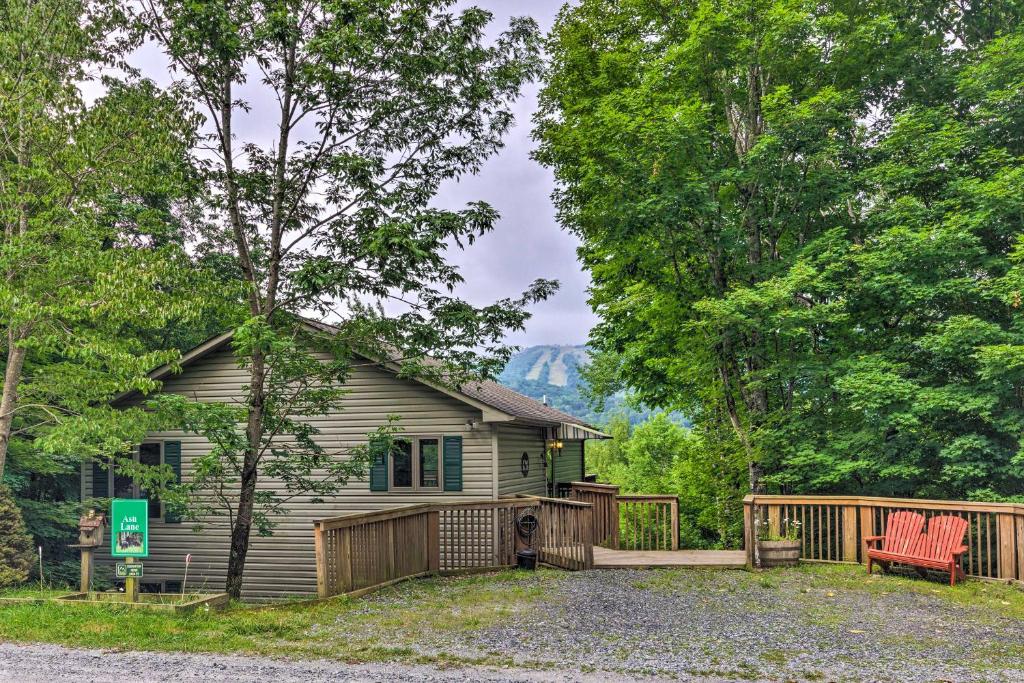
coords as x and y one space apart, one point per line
778 553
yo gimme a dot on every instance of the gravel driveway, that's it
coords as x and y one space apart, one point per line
780 626
813 624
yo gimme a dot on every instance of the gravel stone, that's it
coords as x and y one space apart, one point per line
625 625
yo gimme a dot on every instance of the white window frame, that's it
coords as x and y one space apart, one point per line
415 455
136 489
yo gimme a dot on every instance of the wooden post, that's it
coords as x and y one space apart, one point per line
434 541
775 519
321 565
749 534
675 524
867 528
131 584
850 534
615 520
86 577
1019 520
1006 548
587 518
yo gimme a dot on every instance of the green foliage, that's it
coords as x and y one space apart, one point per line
660 456
803 223
90 247
375 105
16 552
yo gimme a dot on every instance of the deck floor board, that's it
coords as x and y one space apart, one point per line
620 559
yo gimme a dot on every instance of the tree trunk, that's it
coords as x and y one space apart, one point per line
12 378
242 529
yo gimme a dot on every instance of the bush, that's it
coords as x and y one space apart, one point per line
15 544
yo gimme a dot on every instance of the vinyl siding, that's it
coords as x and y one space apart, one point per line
569 462
283 564
513 441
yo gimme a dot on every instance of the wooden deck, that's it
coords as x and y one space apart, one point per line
647 559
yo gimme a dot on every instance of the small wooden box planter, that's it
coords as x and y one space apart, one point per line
156 602
778 553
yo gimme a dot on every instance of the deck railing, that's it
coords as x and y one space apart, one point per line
566 533
604 498
833 528
630 522
648 522
362 551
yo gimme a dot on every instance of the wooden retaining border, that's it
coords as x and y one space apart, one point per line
833 528
147 601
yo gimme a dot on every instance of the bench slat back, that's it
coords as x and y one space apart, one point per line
903 532
945 534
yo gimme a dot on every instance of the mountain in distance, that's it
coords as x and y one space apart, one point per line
552 373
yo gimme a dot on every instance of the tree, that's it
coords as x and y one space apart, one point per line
15 544
799 220
89 247
375 104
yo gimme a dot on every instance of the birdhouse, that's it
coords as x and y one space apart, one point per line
90 529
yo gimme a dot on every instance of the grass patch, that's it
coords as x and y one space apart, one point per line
375 628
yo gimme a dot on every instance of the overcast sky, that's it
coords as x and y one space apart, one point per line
527 243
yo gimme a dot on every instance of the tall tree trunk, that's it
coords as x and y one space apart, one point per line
242 529
12 377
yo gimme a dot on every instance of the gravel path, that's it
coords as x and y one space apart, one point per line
738 625
627 625
53 664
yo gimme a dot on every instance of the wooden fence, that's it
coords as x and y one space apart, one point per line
362 551
566 534
833 528
648 523
630 522
604 498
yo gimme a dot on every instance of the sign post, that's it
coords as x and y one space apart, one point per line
129 539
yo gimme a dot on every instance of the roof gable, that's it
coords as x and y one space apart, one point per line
497 403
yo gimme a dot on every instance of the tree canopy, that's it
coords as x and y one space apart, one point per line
373 106
803 221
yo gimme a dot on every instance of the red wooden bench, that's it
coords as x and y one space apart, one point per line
905 541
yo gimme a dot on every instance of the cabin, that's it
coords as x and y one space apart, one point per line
482 441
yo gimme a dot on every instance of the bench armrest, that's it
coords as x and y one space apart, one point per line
959 551
873 539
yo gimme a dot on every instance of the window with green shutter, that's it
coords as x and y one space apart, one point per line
378 465
452 469
172 458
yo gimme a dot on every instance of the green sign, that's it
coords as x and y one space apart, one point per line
129 527
123 570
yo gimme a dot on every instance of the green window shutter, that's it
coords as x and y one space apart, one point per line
100 482
453 463
172 457
378 465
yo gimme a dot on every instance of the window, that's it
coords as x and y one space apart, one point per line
149 453
430 463
416 463
401 456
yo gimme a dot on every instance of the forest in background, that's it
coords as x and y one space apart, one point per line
803 223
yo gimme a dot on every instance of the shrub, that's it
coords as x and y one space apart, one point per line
15 544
